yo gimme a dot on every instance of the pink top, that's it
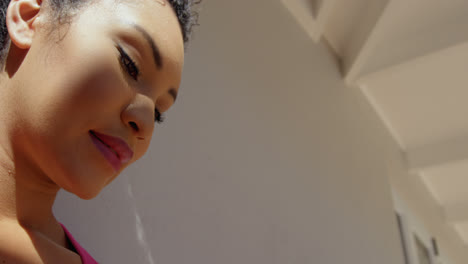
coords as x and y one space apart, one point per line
85 257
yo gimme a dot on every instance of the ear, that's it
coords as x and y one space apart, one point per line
20 18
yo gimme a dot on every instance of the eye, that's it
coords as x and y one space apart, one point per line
128 65
158 117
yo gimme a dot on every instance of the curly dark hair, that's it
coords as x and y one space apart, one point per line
186 15
183 8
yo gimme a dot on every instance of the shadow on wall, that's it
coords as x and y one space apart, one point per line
266 158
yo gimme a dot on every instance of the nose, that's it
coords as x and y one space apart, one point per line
139 115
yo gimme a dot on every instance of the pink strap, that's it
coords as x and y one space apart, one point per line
85 257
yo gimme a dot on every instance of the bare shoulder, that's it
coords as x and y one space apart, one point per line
19 247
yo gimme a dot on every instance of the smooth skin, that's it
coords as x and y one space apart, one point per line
56 86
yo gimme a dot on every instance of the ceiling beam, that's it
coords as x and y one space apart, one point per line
364 35
376 43
325 8
438 36
437 154
311 15
364 39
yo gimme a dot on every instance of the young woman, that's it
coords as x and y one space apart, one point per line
82 84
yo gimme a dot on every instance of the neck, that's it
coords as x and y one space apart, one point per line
26 193
26 196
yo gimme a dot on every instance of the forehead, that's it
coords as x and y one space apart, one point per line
155 16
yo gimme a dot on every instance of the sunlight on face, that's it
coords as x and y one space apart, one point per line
117 67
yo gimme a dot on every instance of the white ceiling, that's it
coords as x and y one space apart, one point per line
410 58
448 183
424 99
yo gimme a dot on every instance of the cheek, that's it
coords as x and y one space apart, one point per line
59 107
141 148
99 87
90 90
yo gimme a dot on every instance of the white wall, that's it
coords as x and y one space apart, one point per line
422 214
266 158
413 226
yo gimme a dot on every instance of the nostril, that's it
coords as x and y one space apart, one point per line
134 126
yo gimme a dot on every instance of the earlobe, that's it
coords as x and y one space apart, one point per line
20 18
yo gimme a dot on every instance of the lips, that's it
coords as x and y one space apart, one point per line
114 149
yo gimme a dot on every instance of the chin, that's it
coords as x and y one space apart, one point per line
84 192
87 195
88 184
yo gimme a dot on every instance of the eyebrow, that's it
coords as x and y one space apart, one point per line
152 44
156 54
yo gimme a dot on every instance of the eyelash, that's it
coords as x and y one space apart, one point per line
131 68
158 117
128 65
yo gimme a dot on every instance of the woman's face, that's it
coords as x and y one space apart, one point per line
113 66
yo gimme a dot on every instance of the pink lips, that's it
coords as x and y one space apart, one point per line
114 149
